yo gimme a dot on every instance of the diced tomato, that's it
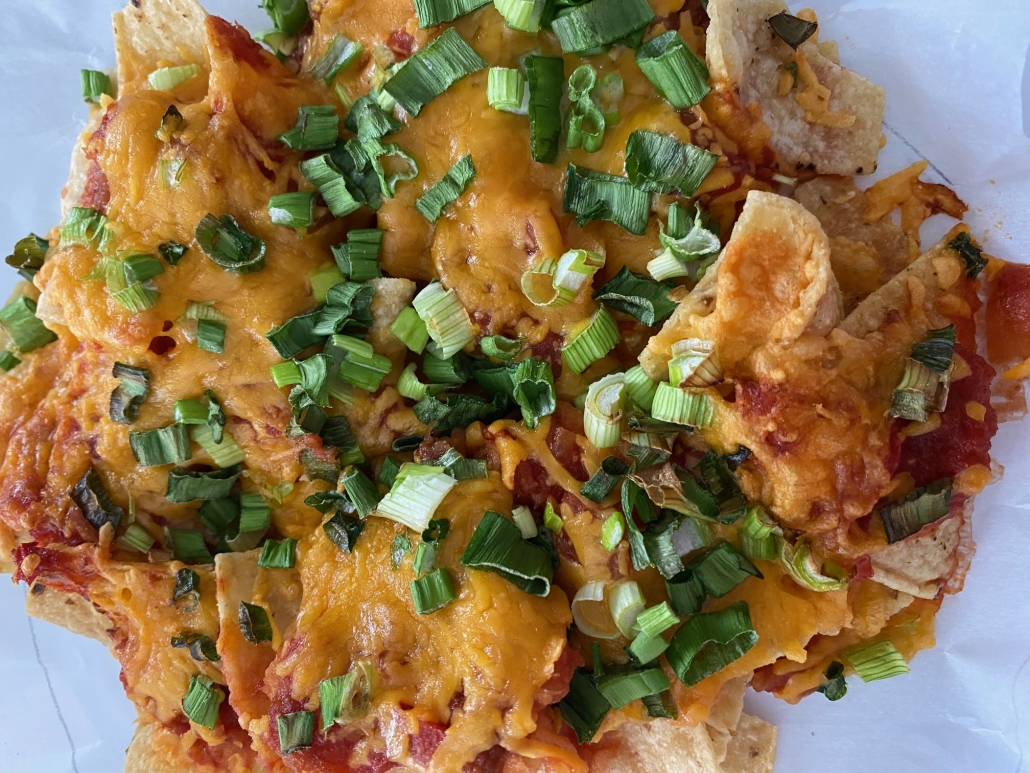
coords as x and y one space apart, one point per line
557 687
961 441
424 743
68 570
401 43
1008 314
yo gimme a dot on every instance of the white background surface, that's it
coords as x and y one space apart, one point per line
957 74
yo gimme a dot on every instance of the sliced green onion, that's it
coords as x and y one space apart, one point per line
446 191
506 90
136 538
600 22
970 254
188 546
200 646
322 279
229 246
364 371
586 123
662 164
452 371
645 648
130 394
347 303
187 485
187 583
289 16
409 386
534 390
218 514
85 226
602 415
136 297
524 520
709 642
592 342
879 660
500 348
18 318
211 336
156 447
792 30
612 531
714 572
343 530
446 319
460 410
694 363
433 12
552 520
225 453
340 54
609 94
202 701
936 350
281 44
295 335
676 72
925 505
604 481
565 277
655 620
358 257
584 707
835 687
278 554
621 689
688 407
460 468
167 78
361 491
190 412
28 256
919 391
686 252
545 76
592 594
254 623
94 85
497 546
346 698
625 601
413 500
592 195
758 534
433 591
369 120
645 300
292 210
805 570
255 514
411 330
641 389
332 184
425 558
432 70
296 731
370 153
139 267
522 15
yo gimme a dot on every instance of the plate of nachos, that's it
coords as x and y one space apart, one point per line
469 386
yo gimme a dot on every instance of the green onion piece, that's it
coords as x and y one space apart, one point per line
586 123
296 731
970 254
688 407
566 277
758 534
28 256
602 414
332 184
292 210
599 23
919 391
411 330
626 602
278 554
211 336
288 16
413 500
694 363
340 54
646 648
347 303
687 252
187 583
202 701
364 371
621 689
592 342
167 78
95 503
136 297
835 687
156 447
254 623
523 518
640 388
346 698
925 505
433 591
460 468
936 350
18 318
255 514
446 319
135 538
604 481
388 471
506 90
709 642
229 246
534 390
190 412
324 501
655 620
433 12
225 454
612 531
343 530
802 566
425 558
369 121
187 485
200 646
717 571
446 191
879 660
452 371
94 85
409 386
322 279
130 394
86 227
281 44
500 348
676 72
645 300
358 257
295 335
432 70
792 30
522 15
662 164
140 267
187 545
552 520
592 195
545 76
609 94
497 546
218 514
460 411
584 707
361 491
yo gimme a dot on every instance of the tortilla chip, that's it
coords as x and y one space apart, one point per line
390 298
70 611
752 748
725 715
156 749
746 56
149 34
921 564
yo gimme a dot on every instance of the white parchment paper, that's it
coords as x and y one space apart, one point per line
957 74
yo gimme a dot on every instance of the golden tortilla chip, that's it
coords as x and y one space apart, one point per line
745 55
752 748
70 611
921 564
149 34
